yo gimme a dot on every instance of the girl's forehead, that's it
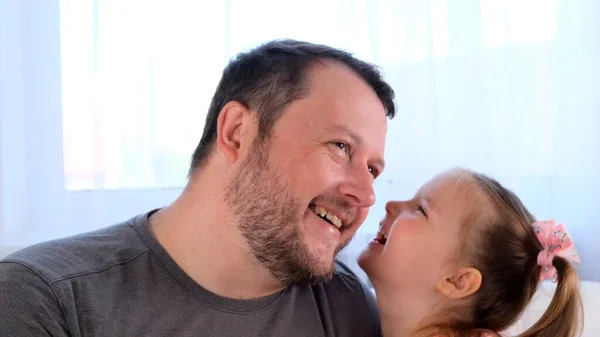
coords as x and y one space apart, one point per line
449 186
451 192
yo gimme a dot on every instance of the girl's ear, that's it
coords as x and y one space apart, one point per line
465 282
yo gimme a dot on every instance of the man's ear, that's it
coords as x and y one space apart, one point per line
463 283
233 125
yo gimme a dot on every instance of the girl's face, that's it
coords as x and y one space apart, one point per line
418 243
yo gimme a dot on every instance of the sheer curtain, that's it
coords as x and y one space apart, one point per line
103 101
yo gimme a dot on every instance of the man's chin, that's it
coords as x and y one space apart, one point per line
319 270
316 277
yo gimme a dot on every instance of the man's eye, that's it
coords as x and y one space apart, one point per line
342 146
373 171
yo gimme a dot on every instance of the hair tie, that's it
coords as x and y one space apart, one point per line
556 242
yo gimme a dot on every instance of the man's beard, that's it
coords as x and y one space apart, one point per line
269 218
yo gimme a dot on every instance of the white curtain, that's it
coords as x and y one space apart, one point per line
103 101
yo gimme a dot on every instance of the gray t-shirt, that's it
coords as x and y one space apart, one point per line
119 281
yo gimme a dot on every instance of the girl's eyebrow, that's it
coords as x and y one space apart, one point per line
432 204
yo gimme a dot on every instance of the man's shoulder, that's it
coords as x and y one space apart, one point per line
82 253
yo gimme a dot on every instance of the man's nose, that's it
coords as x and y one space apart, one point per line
358 189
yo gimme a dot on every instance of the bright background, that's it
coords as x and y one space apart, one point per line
103 101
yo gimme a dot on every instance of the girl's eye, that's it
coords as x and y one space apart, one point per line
422 210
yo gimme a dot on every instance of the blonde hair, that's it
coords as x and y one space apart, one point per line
500 242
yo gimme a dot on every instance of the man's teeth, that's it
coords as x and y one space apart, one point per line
322 212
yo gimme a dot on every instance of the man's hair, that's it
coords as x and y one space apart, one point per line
268 78
499 240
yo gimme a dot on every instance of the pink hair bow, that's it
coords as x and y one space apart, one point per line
556 242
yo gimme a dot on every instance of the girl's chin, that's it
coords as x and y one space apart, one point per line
369 270
363 261
367 259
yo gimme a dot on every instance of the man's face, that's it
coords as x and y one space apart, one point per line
301 195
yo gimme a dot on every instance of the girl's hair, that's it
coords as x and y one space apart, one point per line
503 246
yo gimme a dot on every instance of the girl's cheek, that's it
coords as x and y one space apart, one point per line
404 225
399 234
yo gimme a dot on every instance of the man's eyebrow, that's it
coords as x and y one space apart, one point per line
343 128
356 138
380 162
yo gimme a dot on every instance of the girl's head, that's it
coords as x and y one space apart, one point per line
462 255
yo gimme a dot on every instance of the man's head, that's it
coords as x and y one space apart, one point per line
303 129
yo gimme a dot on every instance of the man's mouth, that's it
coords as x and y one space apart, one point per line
326 215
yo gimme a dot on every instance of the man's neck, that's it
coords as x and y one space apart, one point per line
202 239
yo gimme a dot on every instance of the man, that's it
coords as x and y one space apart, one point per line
279 183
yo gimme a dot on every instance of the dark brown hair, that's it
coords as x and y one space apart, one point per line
268 78
502 244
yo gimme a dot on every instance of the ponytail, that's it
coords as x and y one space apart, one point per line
514 252
564 316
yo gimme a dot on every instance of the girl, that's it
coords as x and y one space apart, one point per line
464 258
